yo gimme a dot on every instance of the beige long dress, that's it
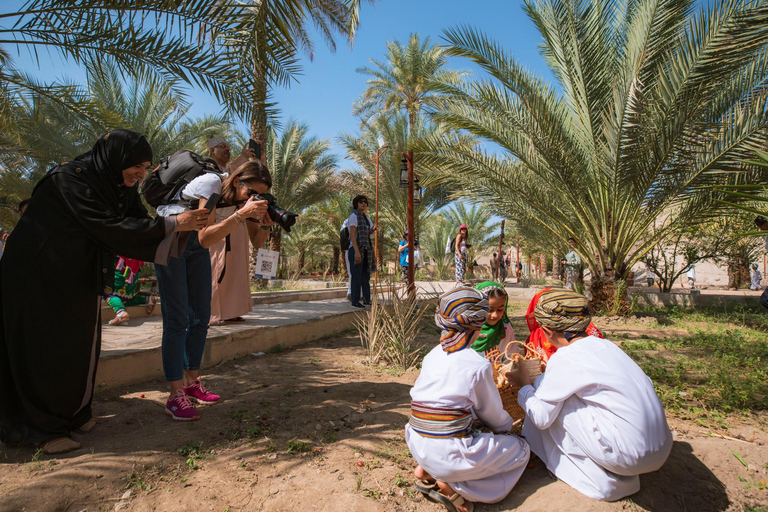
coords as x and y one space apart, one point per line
232 296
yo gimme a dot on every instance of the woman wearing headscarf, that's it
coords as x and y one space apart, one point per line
458 461
497 331
81 214
593 417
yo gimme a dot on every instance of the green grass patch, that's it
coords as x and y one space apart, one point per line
720 367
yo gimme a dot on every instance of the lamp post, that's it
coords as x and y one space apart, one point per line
379 151
408 163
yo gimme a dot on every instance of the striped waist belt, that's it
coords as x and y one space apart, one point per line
439 422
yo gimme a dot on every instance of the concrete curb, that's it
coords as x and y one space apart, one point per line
139 365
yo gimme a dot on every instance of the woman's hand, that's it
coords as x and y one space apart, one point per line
254 209
519 377
192 220
358 256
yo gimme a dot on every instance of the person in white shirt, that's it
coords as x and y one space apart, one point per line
458 430
691 274
757 278
593 416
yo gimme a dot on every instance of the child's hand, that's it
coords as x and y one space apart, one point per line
519 377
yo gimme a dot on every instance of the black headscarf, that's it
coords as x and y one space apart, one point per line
114 152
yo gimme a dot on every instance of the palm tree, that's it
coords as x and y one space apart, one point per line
236 50
302 170
406 80
437 230
52 133
651 103
281 24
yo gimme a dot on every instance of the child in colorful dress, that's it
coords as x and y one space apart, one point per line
593 417
127 273
496 332
460 459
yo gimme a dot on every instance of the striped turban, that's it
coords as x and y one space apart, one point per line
459 312
563 311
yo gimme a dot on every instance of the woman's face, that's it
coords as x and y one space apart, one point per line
245 190
362 205
497 306
464 232
132 175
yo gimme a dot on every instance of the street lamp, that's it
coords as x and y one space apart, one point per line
379 151
404 180
416 191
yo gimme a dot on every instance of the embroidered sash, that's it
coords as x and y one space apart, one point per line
440 422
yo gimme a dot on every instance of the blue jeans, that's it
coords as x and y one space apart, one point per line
360 277
185 296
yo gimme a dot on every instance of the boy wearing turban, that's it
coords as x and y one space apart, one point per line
593 417
458 463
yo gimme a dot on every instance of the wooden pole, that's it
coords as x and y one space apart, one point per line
501 243
517 258
411 283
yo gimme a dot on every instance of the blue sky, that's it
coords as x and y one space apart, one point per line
329 85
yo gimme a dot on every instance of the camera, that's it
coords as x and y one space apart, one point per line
278 214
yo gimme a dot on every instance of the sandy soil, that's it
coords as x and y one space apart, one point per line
315 428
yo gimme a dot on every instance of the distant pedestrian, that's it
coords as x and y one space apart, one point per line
757 278
402 249
691 277
461 246
572 263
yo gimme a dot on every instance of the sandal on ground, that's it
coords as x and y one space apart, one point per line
58 445
217 323
87 427
424 486
236 319
453 502
151 304
120 317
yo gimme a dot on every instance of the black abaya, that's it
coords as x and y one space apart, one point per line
59 261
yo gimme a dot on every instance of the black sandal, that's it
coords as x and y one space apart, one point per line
424 487
451 503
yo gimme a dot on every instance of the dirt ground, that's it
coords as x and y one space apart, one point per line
315 428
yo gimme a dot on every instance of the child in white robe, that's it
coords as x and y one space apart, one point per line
458 464
593 416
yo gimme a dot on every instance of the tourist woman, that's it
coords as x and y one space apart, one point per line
81 214
185 294
460 248
360 252
227 239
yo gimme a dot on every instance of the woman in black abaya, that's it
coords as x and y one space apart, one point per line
81 214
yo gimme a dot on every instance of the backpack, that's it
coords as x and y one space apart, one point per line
344 238
174 173
450 246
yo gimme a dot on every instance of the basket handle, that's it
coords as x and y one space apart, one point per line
529 346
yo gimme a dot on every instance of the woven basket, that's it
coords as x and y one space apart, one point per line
508 392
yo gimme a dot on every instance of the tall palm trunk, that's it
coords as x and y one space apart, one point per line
336 259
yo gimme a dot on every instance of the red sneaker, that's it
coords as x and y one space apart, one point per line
199 394
180 408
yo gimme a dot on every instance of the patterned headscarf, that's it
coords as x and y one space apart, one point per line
491 335
459 312
563 311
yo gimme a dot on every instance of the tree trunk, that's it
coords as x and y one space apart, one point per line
259 119
336 259
557 270
543 264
